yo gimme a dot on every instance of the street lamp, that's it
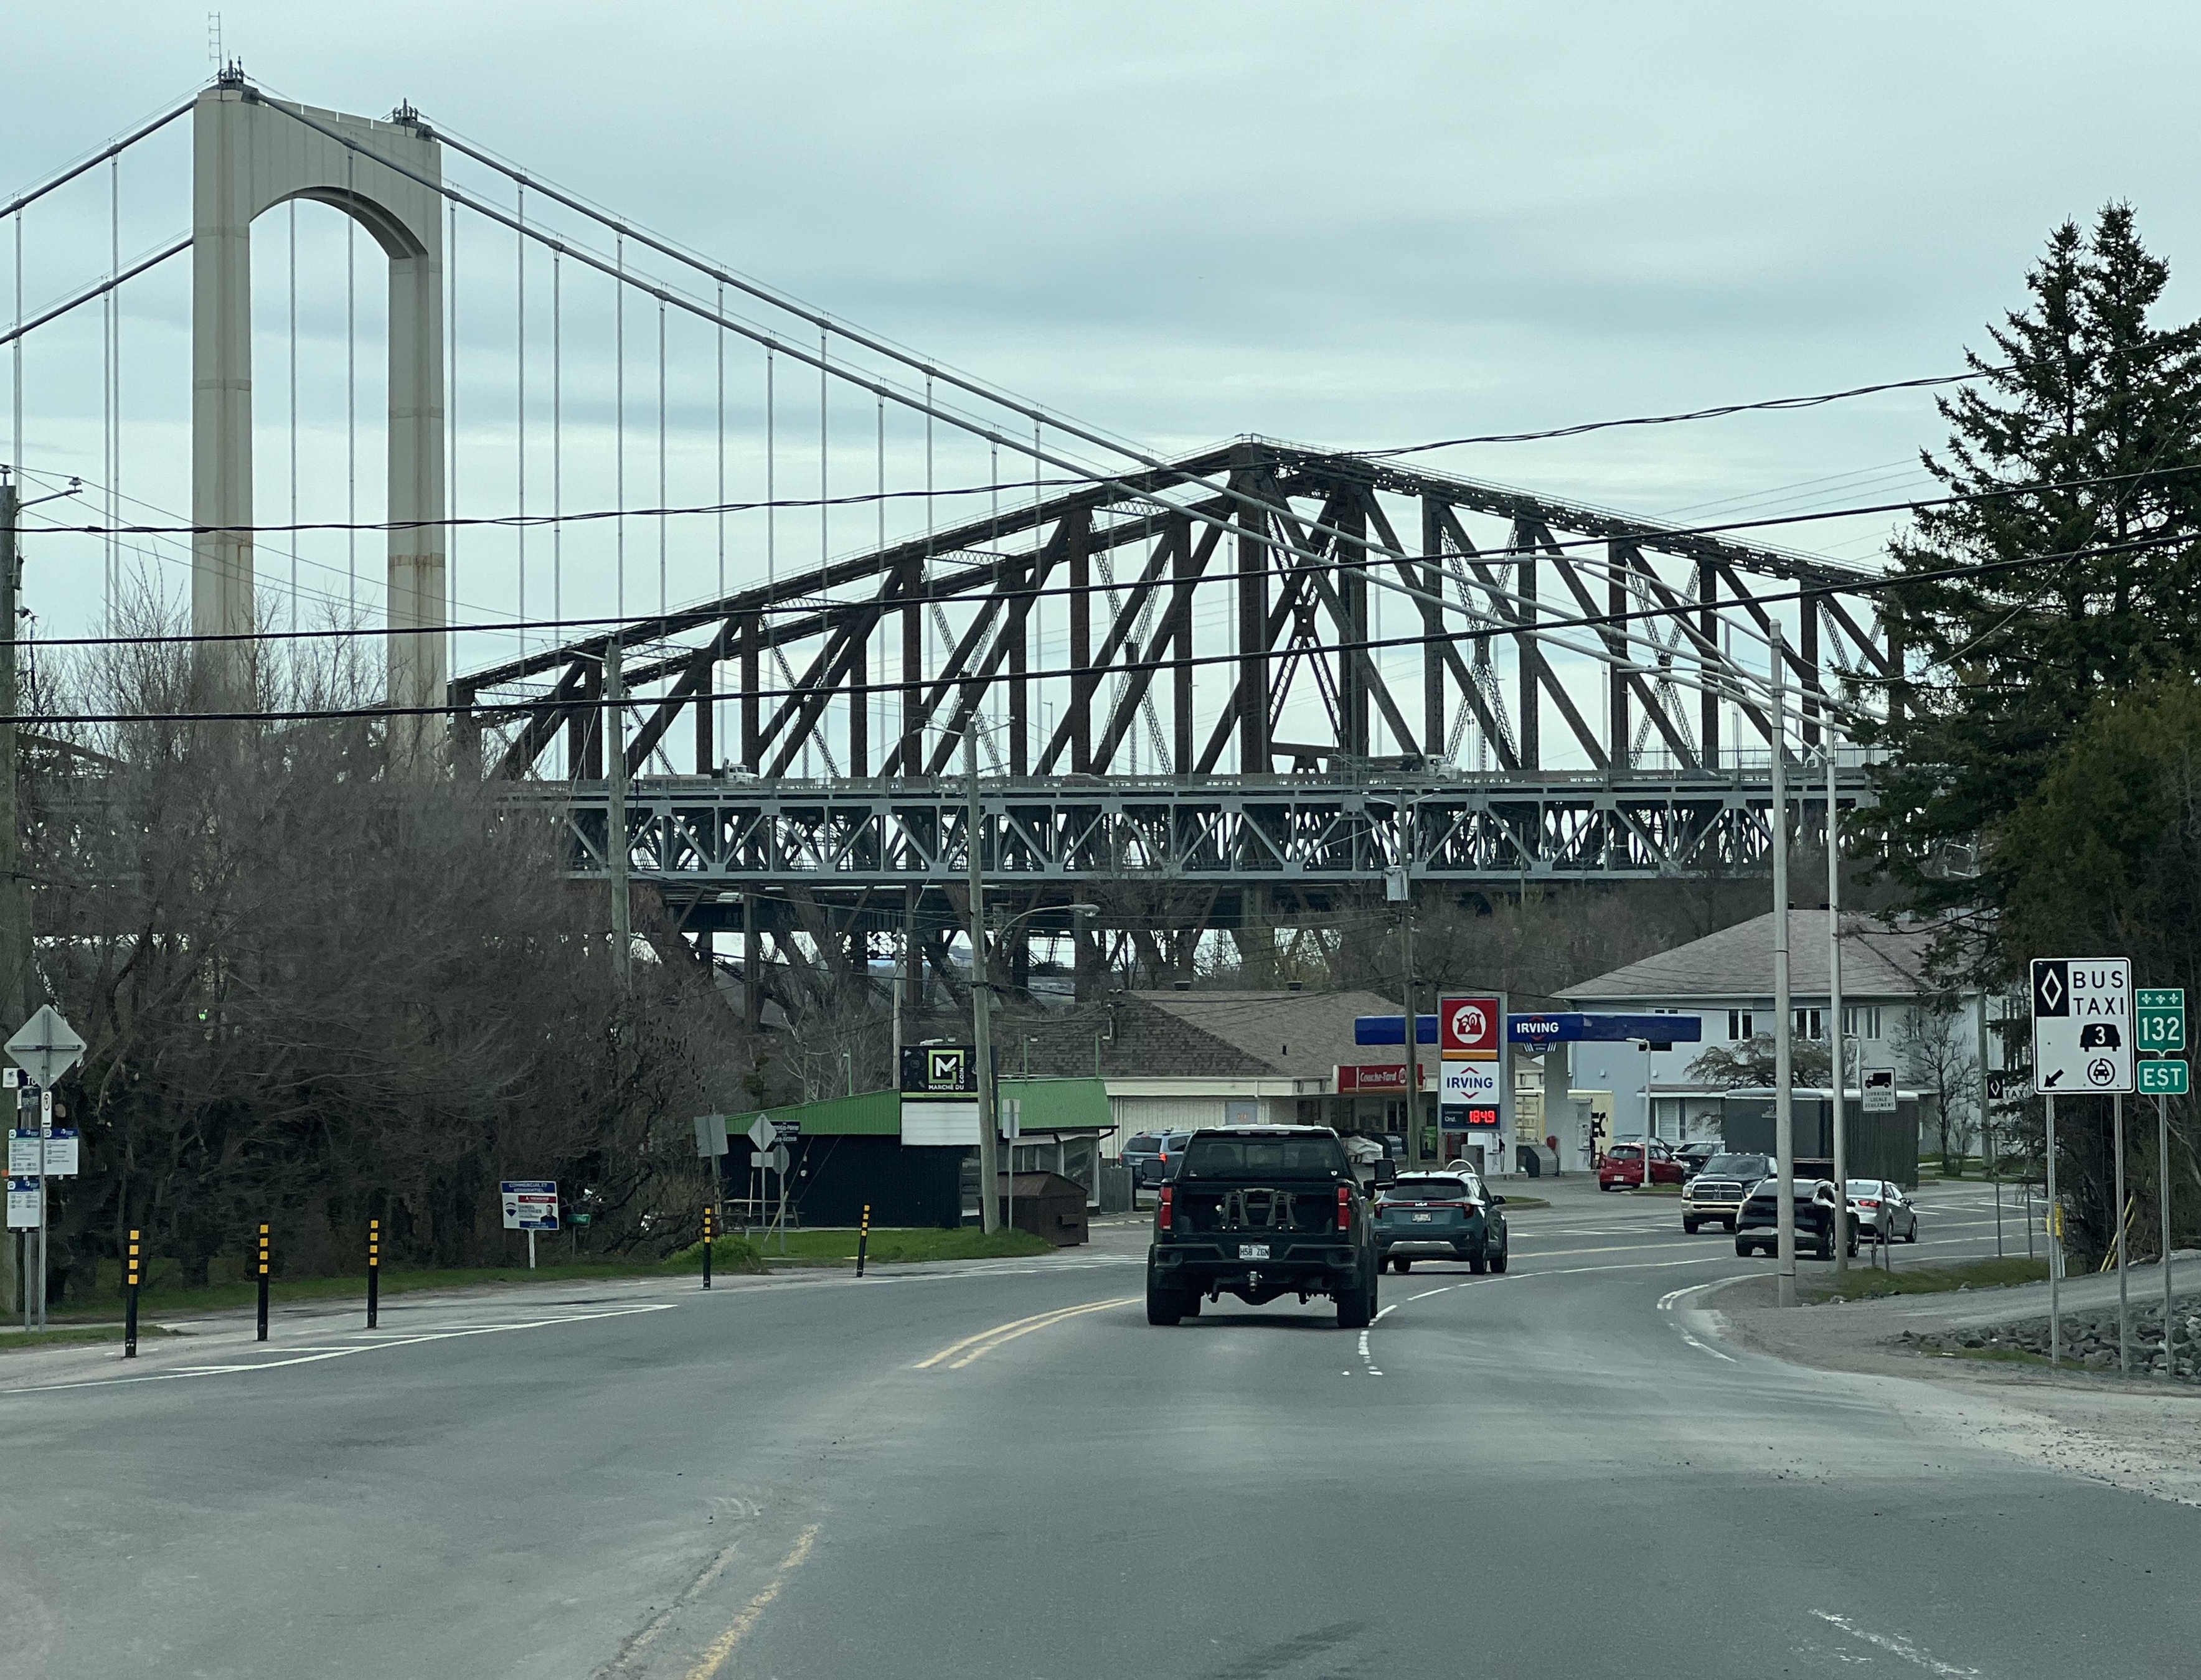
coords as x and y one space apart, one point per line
1650 1114
981 1031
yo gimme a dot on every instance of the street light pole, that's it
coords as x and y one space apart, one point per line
1411 1020
981 1031
1834 1027
1784 1109
613 730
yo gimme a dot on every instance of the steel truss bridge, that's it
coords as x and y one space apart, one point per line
1168 790
1225 692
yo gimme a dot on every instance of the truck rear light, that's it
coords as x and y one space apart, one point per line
1344 1207
1162 1207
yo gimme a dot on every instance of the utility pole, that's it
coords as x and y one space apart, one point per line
14 930
1834 1029
1412 1022
1784 1106
613 728
982 999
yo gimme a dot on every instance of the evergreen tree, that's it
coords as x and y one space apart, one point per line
2086 435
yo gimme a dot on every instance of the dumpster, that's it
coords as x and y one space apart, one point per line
1047 1204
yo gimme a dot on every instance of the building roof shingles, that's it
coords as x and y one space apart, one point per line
1737 963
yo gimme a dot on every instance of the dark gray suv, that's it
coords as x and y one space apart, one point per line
1152 1155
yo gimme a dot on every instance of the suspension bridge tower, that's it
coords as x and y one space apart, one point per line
251 153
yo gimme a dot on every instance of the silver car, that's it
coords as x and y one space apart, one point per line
1882 1212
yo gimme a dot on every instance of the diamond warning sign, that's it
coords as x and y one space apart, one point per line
2082 1025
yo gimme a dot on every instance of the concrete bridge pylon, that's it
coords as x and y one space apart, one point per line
250 155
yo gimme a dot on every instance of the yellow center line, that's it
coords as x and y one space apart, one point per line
1015 1327
722 1647
987 1347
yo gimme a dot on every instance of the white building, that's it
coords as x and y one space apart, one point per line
1726 980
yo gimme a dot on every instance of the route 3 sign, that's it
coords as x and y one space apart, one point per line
2082 1025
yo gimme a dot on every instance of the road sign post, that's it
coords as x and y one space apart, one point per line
373 1272
45 1047
529 1205
2162 1028
2055 1244
2083 1033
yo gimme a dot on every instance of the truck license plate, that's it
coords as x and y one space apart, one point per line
1252 1251
1422 1218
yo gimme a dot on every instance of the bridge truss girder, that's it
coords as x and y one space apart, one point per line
876 665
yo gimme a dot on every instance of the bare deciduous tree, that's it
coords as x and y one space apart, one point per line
314 990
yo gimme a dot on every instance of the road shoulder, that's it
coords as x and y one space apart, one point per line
2140 1433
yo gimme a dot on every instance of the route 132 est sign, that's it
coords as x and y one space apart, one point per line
2082 1025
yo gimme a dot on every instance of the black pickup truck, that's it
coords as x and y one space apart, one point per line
1262 1211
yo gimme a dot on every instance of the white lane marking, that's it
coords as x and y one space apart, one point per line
1367 1358
1897 1646
1666 1305
316 1356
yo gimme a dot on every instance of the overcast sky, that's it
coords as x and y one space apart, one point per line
1350 225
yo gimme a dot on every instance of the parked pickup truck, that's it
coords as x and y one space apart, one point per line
1259 1212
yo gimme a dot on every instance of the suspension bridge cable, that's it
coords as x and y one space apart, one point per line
351 394
1315 527
619 428
91 161
558 436
451 449
293 417
663 526
519 401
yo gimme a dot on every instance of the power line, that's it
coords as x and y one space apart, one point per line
516 708
1770 405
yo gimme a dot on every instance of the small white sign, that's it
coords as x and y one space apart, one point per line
530 1204
60 1154
2082 1025
1878 1097
933 1124
22 1204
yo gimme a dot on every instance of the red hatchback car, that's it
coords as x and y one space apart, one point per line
1622 1167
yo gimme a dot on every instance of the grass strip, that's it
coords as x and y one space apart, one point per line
1862 1283
171 1300
899 1246
29 1341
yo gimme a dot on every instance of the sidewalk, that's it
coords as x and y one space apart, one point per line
2141 1434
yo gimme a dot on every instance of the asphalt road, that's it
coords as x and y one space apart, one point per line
1002 1471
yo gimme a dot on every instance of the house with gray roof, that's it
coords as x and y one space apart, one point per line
1180 1060
1725 980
